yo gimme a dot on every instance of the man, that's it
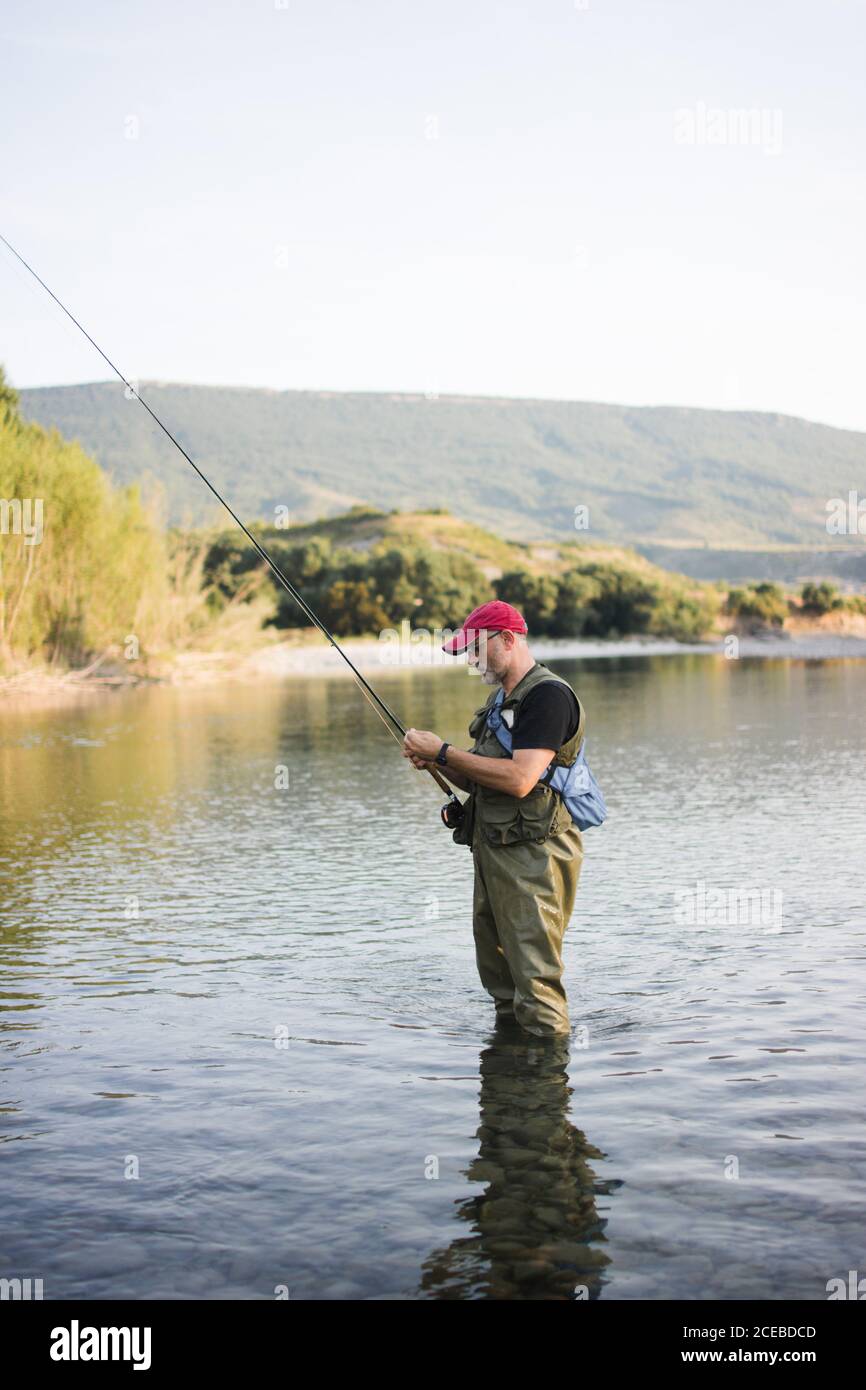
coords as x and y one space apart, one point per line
526 849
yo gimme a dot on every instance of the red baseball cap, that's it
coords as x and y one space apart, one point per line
495 616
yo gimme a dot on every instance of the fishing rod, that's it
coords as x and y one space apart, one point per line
453 809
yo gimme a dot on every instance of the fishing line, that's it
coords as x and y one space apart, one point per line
376 702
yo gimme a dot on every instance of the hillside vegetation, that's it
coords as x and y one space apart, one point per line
369 570
517 467
87 571
81 562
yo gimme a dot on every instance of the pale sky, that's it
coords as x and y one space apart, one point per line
470 196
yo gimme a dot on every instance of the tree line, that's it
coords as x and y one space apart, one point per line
362 592
102 569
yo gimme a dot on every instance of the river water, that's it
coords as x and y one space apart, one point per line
245 1053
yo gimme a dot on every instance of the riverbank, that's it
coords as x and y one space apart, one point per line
308 654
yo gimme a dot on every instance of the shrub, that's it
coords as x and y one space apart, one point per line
624 602
820 598
763 603
349 607
535 595
99 571
685 617
575 596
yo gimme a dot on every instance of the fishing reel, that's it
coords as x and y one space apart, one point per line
452 813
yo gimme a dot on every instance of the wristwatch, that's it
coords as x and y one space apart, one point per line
442 755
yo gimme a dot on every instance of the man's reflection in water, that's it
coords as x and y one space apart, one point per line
531 1228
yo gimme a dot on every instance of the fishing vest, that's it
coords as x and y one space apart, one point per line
500 819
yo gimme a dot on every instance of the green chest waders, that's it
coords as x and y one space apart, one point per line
528 855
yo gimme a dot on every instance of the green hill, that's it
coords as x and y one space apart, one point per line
367 571
647 474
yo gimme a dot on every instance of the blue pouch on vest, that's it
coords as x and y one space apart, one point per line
576 785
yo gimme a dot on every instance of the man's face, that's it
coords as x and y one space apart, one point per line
490 653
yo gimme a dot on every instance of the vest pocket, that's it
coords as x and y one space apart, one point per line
509 821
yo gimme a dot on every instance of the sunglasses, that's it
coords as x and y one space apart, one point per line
475 647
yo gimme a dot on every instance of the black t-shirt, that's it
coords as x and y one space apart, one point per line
549 716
